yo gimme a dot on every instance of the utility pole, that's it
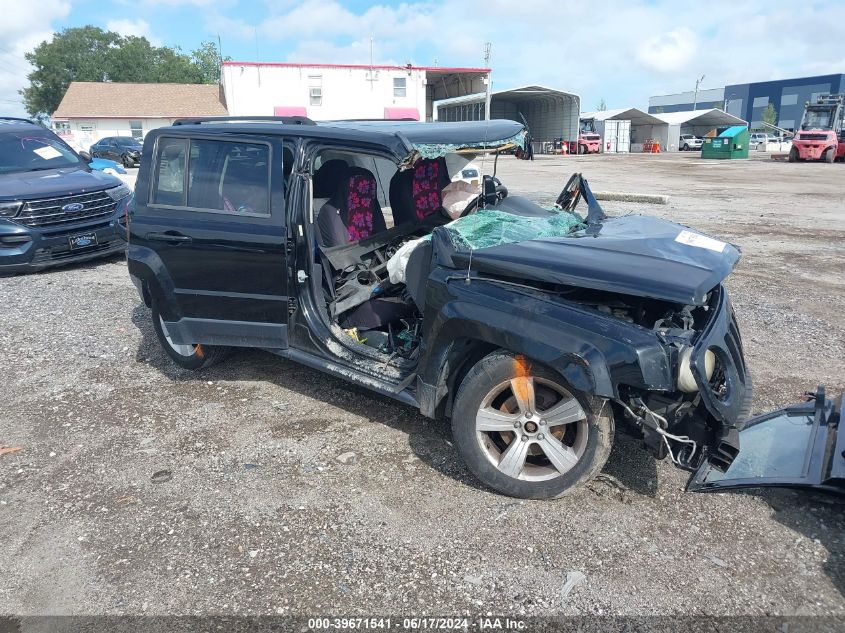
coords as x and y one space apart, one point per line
695 98
487 47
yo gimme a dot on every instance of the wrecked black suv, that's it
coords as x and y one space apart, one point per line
347 247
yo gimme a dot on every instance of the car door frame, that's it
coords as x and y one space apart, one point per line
219 331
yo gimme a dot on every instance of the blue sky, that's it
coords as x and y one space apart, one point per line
616 50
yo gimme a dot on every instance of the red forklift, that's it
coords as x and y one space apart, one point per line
821 135
589 140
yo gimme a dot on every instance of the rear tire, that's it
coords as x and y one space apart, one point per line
193 357
525 433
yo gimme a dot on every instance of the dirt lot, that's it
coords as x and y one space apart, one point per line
260 517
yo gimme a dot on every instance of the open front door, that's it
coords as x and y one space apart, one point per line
216 223
797 446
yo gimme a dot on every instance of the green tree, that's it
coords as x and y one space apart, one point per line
90 54
75 54
207 59
601 106
770 115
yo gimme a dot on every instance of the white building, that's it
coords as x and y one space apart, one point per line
344 91
90 110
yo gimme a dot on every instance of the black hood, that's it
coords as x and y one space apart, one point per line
31 185
632 255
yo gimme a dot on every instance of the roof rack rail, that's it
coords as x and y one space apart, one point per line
287 120
17 118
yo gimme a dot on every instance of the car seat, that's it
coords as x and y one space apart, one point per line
416 193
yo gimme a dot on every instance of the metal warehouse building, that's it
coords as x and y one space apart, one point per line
749 101
550 114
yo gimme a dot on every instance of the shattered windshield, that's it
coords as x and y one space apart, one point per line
817 120
488 227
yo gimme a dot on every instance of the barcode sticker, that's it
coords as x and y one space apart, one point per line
700 241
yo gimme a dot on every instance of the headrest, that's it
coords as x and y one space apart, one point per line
328 177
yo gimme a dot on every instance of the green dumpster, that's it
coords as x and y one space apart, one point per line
730 143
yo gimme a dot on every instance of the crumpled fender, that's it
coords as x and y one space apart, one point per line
594 353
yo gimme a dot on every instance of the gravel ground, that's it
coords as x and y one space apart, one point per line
258 515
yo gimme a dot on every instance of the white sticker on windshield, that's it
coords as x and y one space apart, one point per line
701 241
47 152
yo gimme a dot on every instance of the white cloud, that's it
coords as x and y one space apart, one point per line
669 52
21 30
138 28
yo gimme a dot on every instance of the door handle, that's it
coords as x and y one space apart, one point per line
170 238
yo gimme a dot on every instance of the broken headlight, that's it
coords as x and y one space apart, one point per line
686 381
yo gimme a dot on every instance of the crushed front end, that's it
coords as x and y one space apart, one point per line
697 422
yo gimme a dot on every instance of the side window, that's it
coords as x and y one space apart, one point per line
169 185
230 177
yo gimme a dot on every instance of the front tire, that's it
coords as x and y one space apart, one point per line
686 147
194 356
525 433
582 149
127 162
793 155
829 155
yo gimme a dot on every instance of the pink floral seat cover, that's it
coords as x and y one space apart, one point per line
360 197
426 188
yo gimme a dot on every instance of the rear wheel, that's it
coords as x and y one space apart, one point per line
193 356
525 433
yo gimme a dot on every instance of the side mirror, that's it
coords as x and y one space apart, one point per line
85 156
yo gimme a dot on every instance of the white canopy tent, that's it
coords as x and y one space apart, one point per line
643 125
698 122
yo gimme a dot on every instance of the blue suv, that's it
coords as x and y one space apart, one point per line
53 208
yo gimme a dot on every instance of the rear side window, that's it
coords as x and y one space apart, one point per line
169 185
221 176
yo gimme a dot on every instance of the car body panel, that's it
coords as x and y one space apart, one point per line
55 182
634 255
238 295
798 446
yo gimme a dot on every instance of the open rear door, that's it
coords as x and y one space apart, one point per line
797 446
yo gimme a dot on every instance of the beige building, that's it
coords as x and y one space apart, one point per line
90 111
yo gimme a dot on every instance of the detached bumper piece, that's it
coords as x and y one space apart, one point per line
799 446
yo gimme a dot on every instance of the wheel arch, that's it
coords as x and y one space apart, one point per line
154 282
462 342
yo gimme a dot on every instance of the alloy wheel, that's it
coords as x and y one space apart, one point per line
531 428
